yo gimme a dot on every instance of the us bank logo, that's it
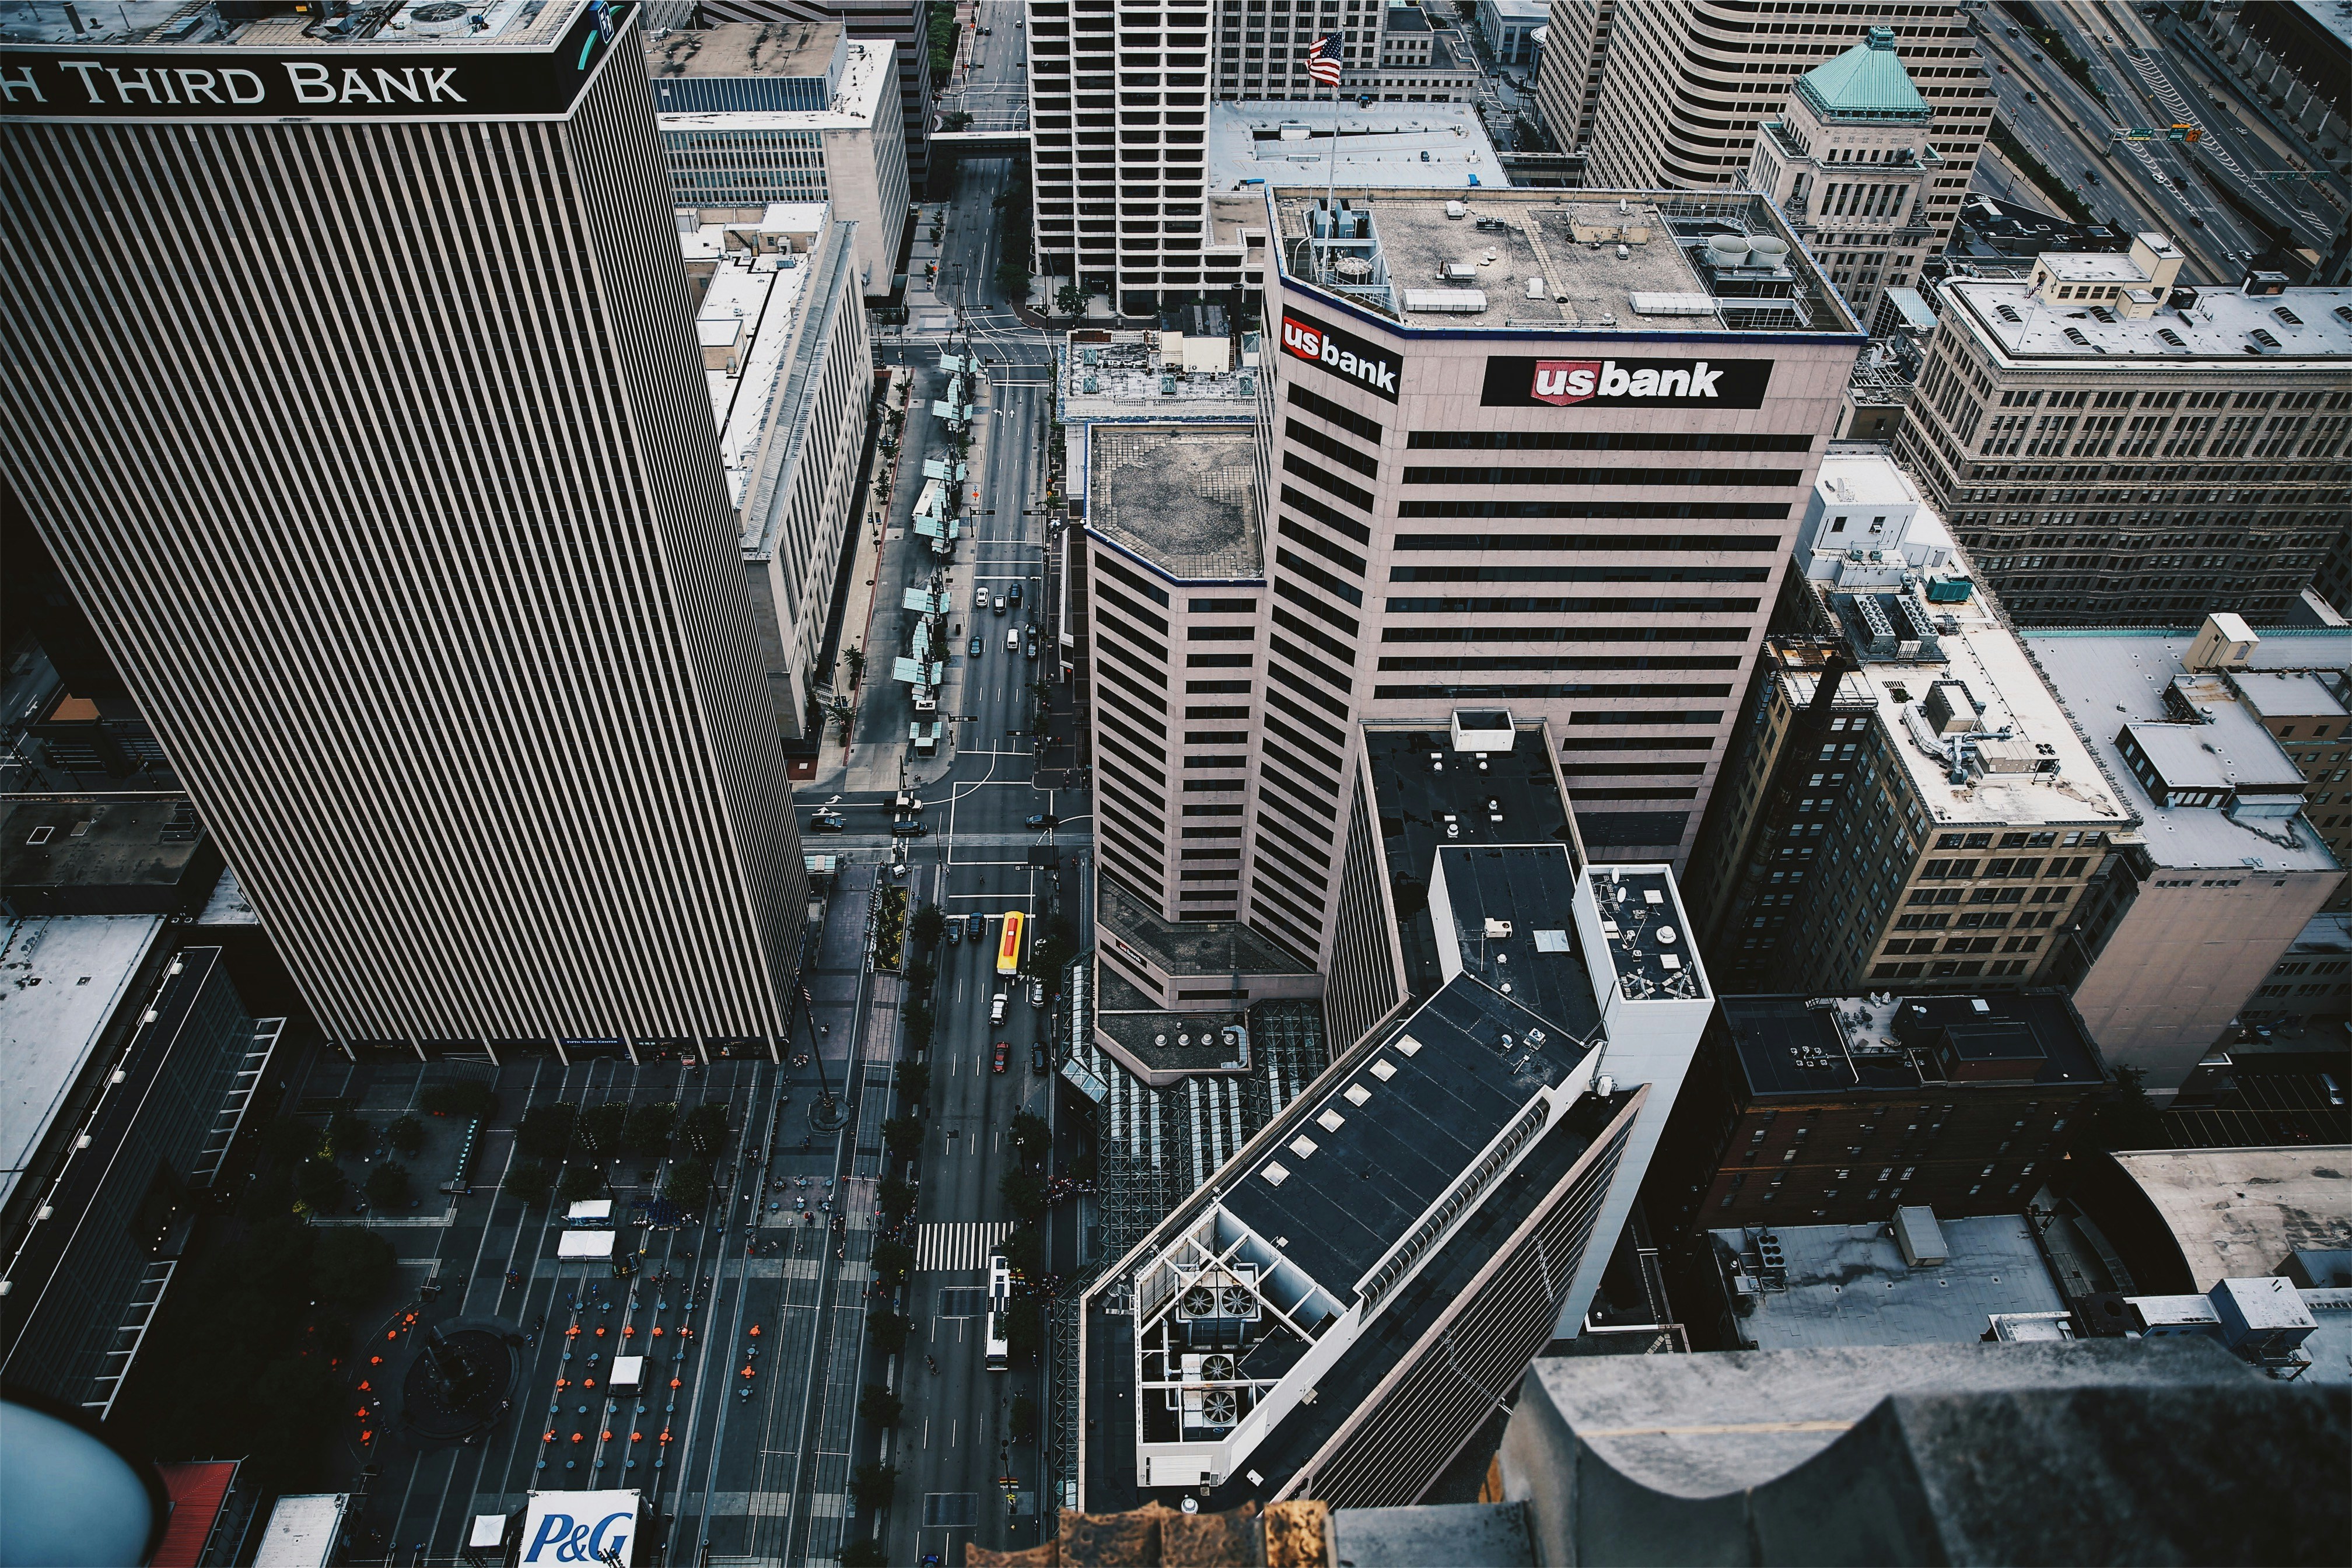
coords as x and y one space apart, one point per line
1513 382
1565 381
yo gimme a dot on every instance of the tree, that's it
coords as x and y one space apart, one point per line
601 1125
1025 1330
1070 300
529 1183
844 716
1032 1139
406 1136
890 1331
1012 281
929 924
705 1127
348 1136
650 1127
1025 1250
920 1023
895 1198
387 1184
545 1130
874 1485
920 977
318 1186
289 1142
1023 1423
468 1098
914 1083
854 659
1024 1193
580 1183
689 1185
903 1136
864 1552
877 1406
892 1259
352 1267
2124 1118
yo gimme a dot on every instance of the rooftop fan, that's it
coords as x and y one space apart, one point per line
1236 1301
1218 1407
1218 1368
1200 1301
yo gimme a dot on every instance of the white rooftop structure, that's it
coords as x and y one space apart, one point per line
304 1531
865 75
747 320
1434 146
1866 520
1155 375
62 978
2299 326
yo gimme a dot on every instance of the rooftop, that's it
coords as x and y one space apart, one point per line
2112 679
1865 86
867 71
1508 923
51 848
1429 145
2236 1213
2221 325
2017 758
1143 375
61 980
1849 1285
1596 260
1179 496
747 315
745 49
438 25
1793 1045
2292 693
1190 947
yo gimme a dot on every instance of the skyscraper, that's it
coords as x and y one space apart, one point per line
351 379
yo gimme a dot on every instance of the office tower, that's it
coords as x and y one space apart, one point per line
1583 513
753 114
1330 1314
2117 448
790 367
1123 198
1833 1109
1509 28
411 536
904 24
1688 84
2190 916
1849 160
1575 63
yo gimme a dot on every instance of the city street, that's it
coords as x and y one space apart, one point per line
2159 184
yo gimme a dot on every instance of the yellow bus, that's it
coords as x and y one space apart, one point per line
1008 946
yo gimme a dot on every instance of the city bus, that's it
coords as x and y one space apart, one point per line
1000 1351
1008 946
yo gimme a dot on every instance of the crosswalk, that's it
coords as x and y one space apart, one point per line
958 1243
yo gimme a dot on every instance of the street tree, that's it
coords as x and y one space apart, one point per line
388 1185
406 1136
903 1136
689 1185
890 1331
1025 1250
580 1183
319 1186
650 1127
545 1130
349 1136
1012 281
1024 1193
929 924
892 1259
1070 300
874 1484
914 1083
895 1198
864 1552
705 1128
877 1406
529 1183
600 1128
1032 1138
854 659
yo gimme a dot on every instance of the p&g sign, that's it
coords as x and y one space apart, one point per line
586 1528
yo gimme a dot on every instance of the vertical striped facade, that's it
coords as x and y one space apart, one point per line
379 455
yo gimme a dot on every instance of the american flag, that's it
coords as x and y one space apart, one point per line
1323 61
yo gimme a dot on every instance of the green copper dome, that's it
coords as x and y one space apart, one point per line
1867 84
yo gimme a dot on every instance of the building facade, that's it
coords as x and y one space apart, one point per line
2116 448
1575 63
1508 26
904 24
1851 161
757 114
1688 86
1119 114
1833 1111
432 594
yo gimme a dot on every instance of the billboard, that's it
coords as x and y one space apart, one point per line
1519 383
581 1527
366 80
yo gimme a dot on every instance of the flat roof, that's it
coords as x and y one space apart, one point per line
1120 375
62 979
1793 1045
2221 325
228 905
424 24
745 49
1696 1426
2292 693
97 843
857 96
2236 1213
1180 495
1218 948
1848 1285
1568 240
2111 679
756 300
303 1531
2230 747
1425 145
2019 782
1514 928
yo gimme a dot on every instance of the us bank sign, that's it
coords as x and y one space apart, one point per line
367 80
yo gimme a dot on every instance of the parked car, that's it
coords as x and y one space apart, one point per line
955 932
1014 594
975 647
1042 819
1039 1061
1000 605
906 827
1036 993
1003 1055
1031 648
978 927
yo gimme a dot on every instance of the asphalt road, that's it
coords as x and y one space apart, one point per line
2143 184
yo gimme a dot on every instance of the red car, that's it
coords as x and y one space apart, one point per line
1004 1053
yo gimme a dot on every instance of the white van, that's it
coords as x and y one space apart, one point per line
1012 640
